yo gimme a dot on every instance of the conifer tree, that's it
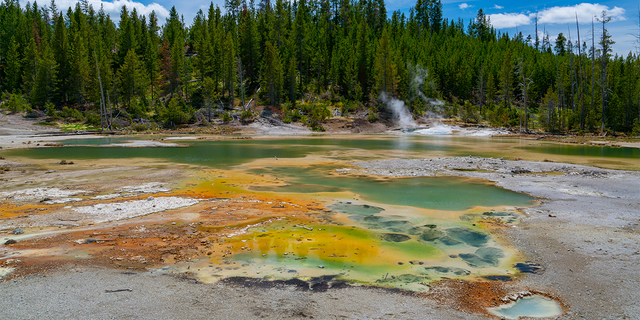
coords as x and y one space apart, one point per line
61 50
13 66
166 65
30 66
272 74
177 65
385 68
435 14
45 80
151 56
229 66
506 79
290 79
249 50
79 69
130 79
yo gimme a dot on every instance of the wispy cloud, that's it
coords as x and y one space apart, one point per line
463 6
495 6
556 15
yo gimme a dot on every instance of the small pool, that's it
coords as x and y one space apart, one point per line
535 306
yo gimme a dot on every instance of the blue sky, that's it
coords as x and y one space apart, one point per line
554 16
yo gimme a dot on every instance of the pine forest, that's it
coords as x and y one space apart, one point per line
306 61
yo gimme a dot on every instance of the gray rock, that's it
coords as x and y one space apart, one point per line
18 231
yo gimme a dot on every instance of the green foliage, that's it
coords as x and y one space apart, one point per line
92 118
636 128
470 112
246 115
549 117
51 111
499 115
226 117
72 114
173 114
317 114
12 70
550 121
272 79
347 107
349 51
131 82
138 109
290 113
386 70
373 115
15 103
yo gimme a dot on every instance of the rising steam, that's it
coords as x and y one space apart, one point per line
401 115
417 84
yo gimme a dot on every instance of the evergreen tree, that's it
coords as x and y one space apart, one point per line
79 69
13 66
385 68
45 80
177 65
435 14
30 64
166 66
249 49
272 74
337 50
506 79
229 66
151 56
131 82
61 50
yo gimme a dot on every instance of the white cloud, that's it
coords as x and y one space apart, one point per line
556 15
495 6
113 7
463 6
585 12
509 20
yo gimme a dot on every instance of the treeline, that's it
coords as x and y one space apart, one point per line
302 56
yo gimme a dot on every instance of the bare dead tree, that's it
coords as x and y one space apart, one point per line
605 47
593 62
524 85
241 78
573 72
581 80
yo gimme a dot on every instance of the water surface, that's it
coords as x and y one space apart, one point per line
533 307
227 153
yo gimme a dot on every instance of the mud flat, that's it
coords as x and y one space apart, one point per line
585 234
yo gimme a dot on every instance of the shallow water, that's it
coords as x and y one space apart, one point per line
586 151
437 193
533 306
227 153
